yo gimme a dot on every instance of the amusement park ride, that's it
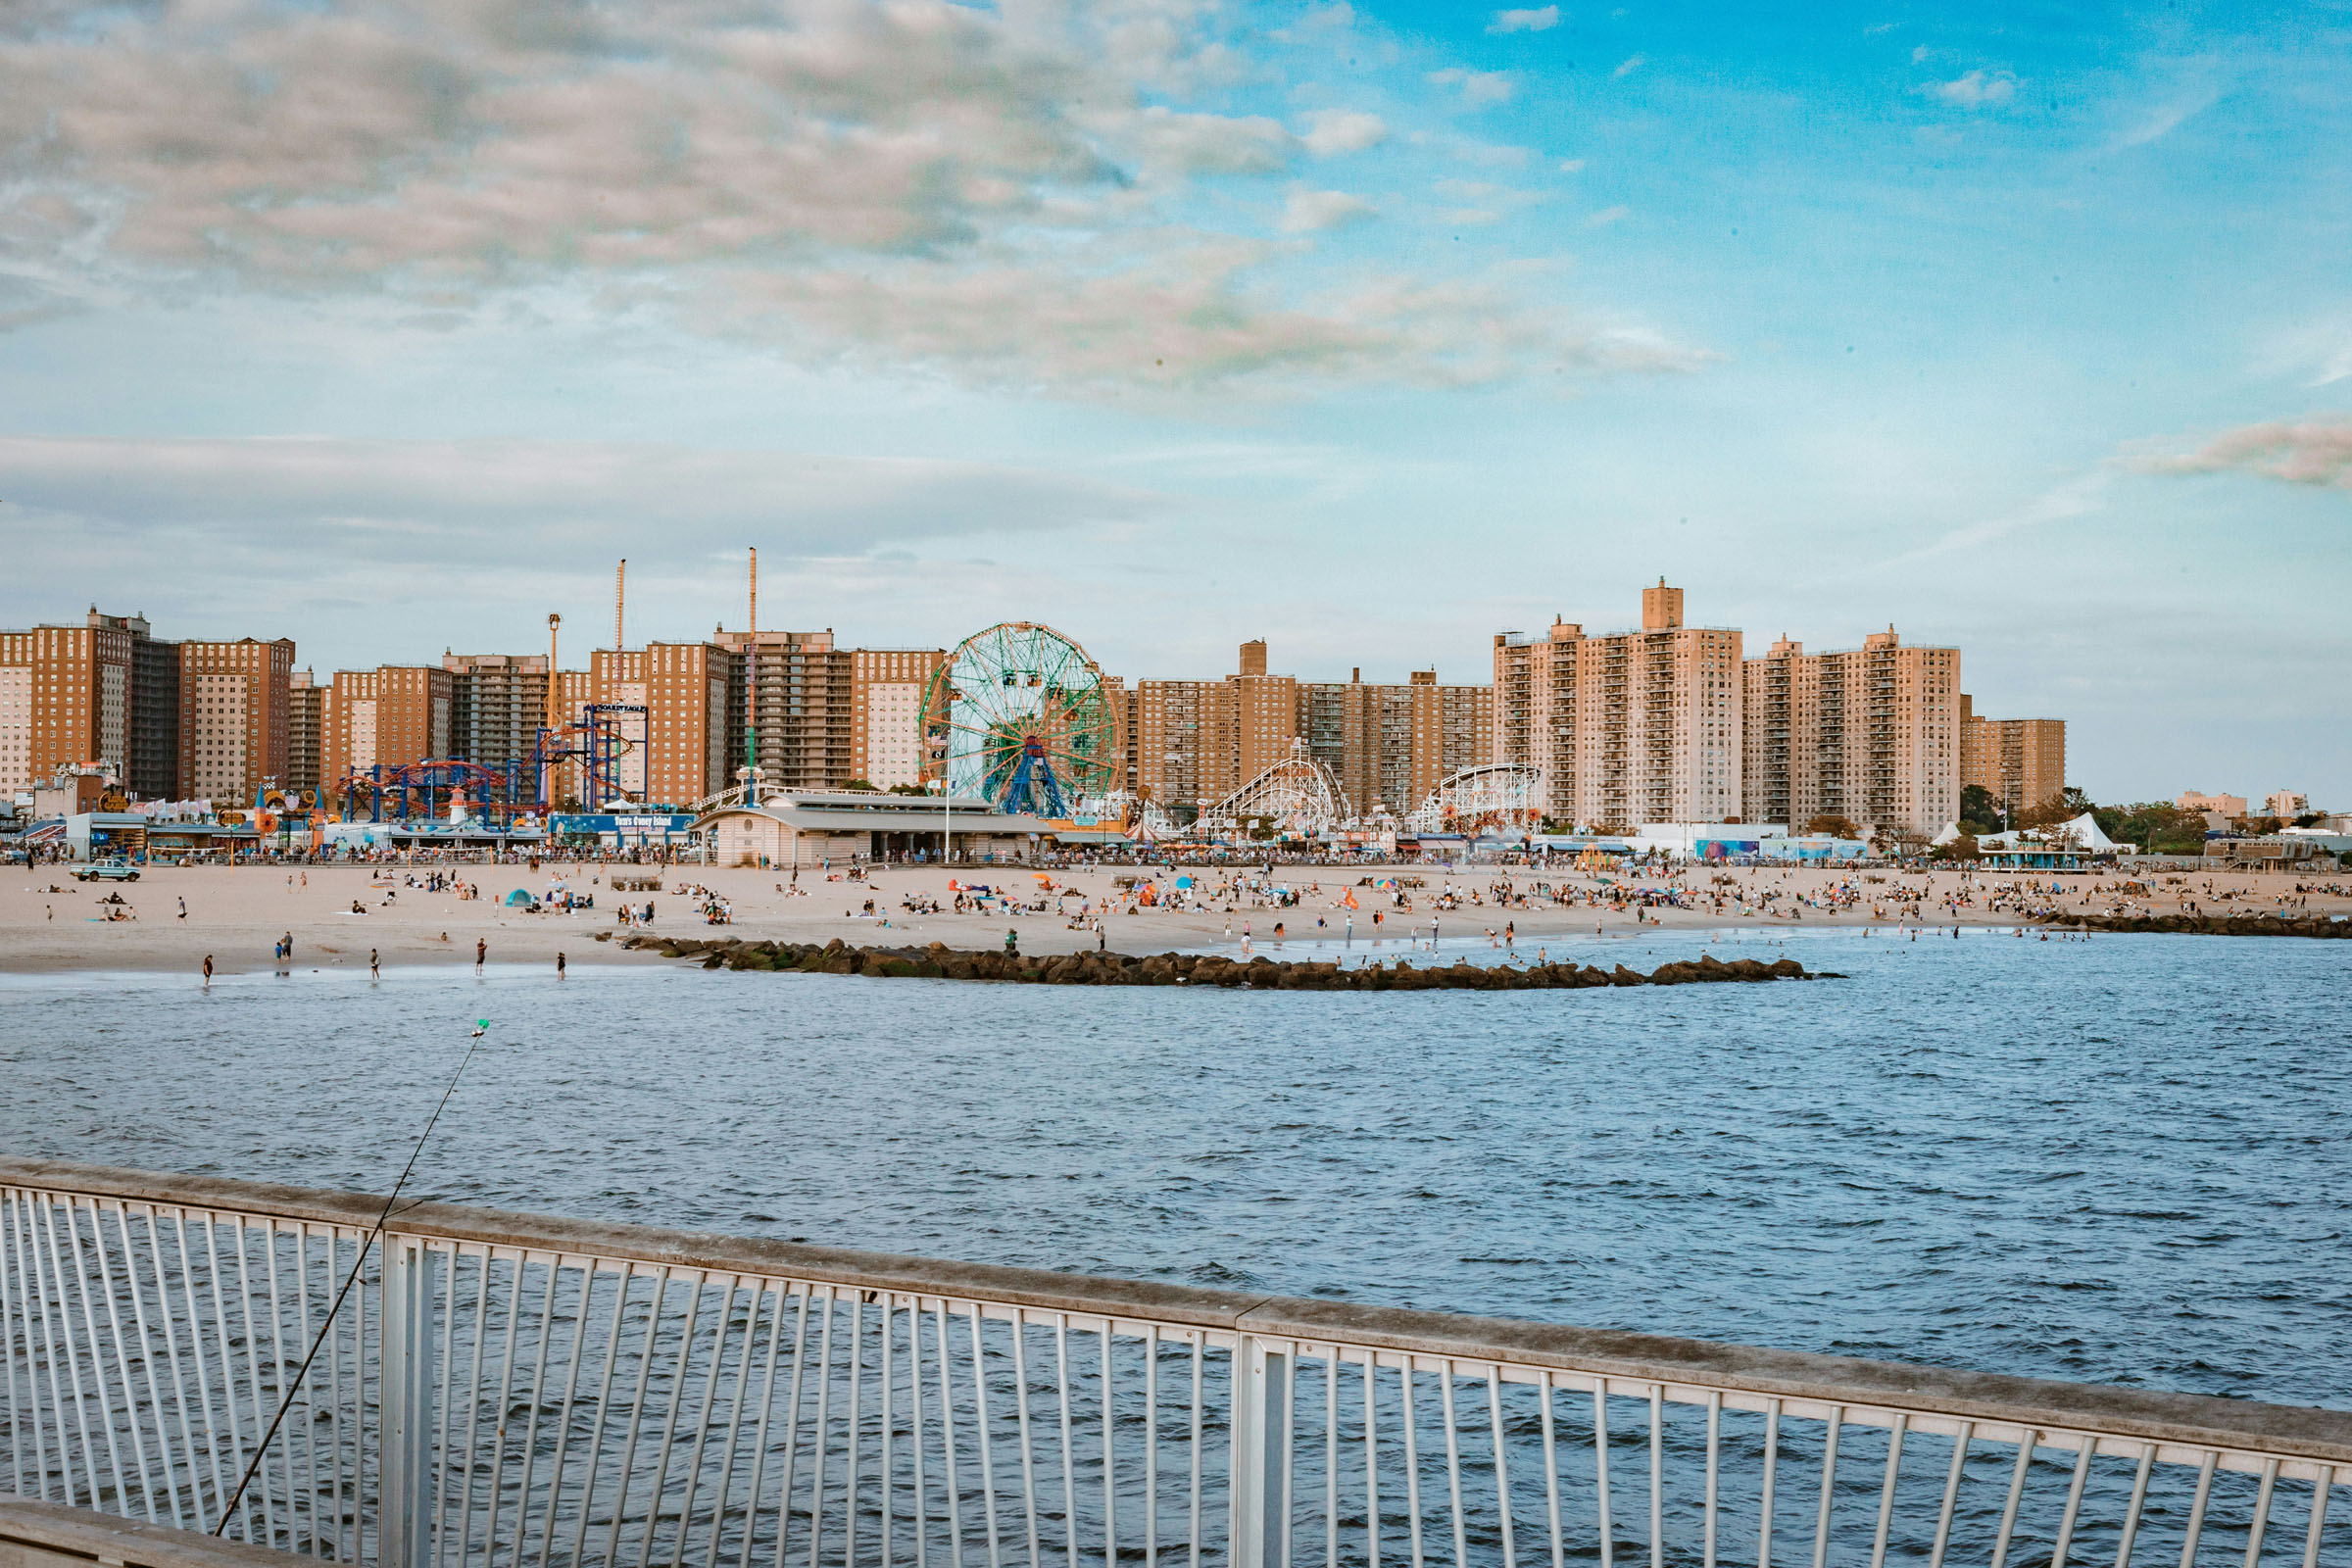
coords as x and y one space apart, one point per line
443 789
1019 717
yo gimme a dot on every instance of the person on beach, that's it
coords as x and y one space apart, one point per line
208 971
1012 943
375 969
481 951
559 966
184 908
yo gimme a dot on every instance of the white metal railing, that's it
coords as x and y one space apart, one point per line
518 1389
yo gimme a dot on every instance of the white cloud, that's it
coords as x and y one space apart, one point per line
1187 318
1630 65
1330 17
2336 365
1543 21
1207 144
1330 132
2162 120
2316 352
2075 497
1311 211
504 502
1477 87
1572 165
1484 202
1976 89
846 180
2315 450
1470 150
1607 215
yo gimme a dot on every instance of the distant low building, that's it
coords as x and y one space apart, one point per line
2214 804
2280 853
809 828
2286 805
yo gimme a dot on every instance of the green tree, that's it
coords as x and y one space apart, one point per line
2052 812
1980 811
1836 826
2158 827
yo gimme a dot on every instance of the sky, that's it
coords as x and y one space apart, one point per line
1371 330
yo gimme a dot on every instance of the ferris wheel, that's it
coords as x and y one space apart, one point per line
1019 715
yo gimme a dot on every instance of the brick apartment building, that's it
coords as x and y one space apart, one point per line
1629 727
1872 734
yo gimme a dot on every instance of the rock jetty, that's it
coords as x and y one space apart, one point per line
938 961
2207 925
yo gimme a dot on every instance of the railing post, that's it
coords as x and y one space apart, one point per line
404 1506
1261 1416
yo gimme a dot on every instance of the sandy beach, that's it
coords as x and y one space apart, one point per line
48 921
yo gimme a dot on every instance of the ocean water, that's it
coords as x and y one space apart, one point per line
2112 1161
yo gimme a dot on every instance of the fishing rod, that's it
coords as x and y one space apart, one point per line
376 1232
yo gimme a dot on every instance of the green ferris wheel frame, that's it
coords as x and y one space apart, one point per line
1018 715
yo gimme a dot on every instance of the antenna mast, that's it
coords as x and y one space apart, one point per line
554 621
621 581
751 693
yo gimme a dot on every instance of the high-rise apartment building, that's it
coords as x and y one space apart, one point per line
2022 761
157 709
888 688
1872 734
497 706
615 677
305 735
233 727
690 744
64 698
804 705
1389 746
386 718
1195 741
1630 727
1173 747
1253 721
1452 728
200 719
16 713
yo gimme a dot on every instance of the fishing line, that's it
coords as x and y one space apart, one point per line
261 1449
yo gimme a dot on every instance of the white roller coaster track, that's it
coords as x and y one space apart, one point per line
1476 799
1298 795
1142 820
